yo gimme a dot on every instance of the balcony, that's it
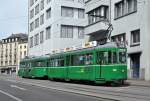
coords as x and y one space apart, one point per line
98 27
98 20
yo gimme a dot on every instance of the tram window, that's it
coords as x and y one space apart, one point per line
122 57
88 59
39 64
98 59
57 62
22 65
81 60
67 60
109 57
50 63
78 60
60 62
104 57
28 65
114 57
84 59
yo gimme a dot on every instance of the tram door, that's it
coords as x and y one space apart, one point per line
135 65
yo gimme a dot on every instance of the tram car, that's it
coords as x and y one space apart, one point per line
100 64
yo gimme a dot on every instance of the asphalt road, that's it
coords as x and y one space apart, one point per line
46 90
14 91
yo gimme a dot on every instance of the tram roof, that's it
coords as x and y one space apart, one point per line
105 46
35 58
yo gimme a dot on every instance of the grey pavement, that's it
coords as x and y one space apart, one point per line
11 91
136 91
139 82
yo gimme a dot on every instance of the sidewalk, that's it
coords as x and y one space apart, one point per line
139 83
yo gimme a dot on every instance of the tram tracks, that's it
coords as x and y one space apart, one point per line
139 97
120 93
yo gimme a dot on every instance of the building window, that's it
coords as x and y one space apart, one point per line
31 26
15 61
67 12
25 53
118 38
125 7
132 5
36 39
66 31
36 22
31 42
118 8
81 13
98 14
80 32
135 37
37 9
48 13
42 19
42 4
48 32
41 36
31 2
20 55
31 13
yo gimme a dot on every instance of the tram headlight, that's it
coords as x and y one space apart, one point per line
114 70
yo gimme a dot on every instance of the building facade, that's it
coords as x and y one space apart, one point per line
12 50
130 22
55 24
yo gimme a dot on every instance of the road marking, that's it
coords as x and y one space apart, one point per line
11 96
14 86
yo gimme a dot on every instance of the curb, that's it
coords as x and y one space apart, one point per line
137 83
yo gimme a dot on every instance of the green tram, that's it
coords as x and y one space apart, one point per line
100 64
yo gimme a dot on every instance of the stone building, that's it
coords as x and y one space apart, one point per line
12 49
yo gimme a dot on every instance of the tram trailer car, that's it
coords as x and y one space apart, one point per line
101 64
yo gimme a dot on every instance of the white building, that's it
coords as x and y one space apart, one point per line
131 23
55 24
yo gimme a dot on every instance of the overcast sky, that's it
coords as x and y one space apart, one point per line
13 17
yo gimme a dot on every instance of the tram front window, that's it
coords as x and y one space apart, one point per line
122 57
107 57
22 65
